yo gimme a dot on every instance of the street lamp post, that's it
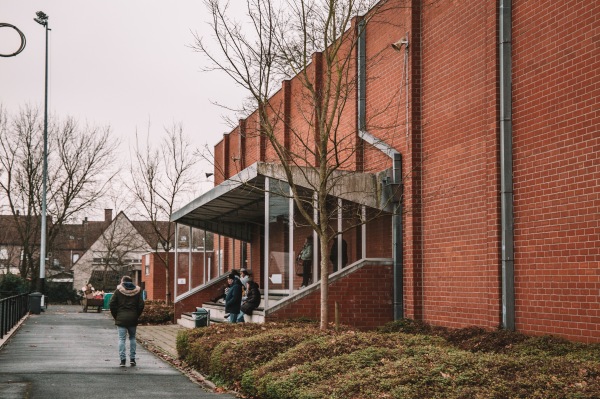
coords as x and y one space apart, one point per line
42 19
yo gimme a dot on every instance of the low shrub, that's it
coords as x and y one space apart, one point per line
11 284
157 312
231 359
199 343
61 293
299 361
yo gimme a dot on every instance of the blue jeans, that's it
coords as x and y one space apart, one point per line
240 317
233 317
123 331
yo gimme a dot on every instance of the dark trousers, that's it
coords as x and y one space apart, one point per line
306 272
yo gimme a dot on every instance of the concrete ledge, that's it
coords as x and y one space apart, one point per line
12 331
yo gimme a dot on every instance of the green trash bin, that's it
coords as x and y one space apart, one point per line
35 302
201 317
107 297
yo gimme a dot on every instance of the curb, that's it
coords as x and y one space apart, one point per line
12 331
180 365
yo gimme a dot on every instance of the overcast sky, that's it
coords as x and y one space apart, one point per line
122 63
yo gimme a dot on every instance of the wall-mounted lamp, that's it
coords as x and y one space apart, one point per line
398 45
208 175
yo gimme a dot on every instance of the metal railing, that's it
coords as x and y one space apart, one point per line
12 309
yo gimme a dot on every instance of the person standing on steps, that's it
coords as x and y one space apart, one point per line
126 305
306 254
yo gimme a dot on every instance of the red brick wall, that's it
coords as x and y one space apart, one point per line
252 141
276 117
302 133
219 166
556 75
459 181
386 91
235 152
365 300
155 282
195 300
450 149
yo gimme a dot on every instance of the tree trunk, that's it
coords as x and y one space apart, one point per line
324 283
167 283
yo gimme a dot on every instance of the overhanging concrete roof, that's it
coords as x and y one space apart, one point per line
230 209
237 205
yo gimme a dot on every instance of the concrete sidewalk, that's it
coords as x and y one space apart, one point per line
65 353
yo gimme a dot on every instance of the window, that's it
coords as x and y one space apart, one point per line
147 270
75 258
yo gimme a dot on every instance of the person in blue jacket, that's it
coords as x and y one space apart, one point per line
233 299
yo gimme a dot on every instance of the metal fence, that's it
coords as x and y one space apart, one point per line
12 309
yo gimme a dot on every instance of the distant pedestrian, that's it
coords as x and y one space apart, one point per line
233 299
126 306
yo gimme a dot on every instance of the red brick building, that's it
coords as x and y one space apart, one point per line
497 132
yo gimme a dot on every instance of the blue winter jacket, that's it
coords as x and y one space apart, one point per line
233 299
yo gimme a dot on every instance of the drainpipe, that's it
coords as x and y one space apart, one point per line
506 171
396 183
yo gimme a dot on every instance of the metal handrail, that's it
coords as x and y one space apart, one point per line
12 309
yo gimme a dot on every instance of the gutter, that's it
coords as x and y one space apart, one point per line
506 167
396 181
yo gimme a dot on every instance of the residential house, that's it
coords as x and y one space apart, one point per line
69 244
118 250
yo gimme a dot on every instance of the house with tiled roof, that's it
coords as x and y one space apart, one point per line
67 247
118 250
10 245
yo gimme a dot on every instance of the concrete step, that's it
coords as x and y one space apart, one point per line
217 311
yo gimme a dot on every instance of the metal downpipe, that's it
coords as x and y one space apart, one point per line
506 166
397 227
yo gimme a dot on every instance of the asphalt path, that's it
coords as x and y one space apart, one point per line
65 353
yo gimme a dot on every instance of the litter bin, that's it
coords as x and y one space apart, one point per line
107 297
201 317
35 302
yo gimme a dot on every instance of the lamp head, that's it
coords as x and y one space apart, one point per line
41 19
398 45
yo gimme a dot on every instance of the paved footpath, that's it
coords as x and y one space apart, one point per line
63 353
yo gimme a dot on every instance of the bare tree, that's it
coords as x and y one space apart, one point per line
119 245
314 43
80 159
161 178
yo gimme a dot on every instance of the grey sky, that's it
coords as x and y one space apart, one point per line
122 63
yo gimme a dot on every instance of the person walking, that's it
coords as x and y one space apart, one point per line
126 305
233 299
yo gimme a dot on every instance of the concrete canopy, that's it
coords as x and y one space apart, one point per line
235 206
